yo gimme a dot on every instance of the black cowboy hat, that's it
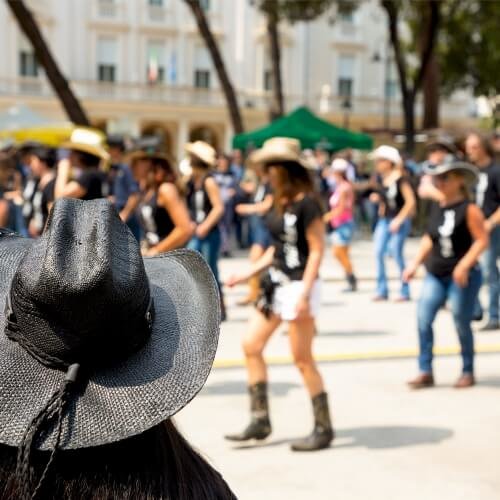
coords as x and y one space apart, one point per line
468 171
94 335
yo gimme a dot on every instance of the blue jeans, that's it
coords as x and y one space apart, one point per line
209 247
435 292
394 243
491 276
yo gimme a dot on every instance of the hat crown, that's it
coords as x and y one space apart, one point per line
81 293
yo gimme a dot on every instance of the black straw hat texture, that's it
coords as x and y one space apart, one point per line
144 332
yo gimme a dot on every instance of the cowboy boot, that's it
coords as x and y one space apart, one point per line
323 433
260 426
253 292
352 283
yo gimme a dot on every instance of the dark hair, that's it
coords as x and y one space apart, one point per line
197 162
485 143
157 464
88 159
7 168
45 155
293 179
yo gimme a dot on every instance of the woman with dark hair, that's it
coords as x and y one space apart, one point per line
91 373
10 187
42 164
291 291
205 205
162 212
341 219
397 205
79 176
454 240
257 186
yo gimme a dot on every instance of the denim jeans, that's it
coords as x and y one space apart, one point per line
491 276
385 242
435 292
209 247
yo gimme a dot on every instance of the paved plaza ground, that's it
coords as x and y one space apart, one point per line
439 444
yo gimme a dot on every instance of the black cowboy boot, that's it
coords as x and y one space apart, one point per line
322 434
260 426
352 283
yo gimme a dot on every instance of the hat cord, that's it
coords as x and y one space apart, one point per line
55 407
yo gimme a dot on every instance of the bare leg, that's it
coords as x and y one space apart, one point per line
341 253
259 332
301 335
4 213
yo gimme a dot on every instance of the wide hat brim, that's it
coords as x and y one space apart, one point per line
144 155
87 148
138 393
469 172
202 153
277 157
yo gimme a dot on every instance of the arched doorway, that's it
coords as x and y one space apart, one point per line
160 131
204 133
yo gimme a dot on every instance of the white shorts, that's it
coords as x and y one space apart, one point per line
286 298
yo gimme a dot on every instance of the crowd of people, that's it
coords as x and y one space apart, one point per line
283 204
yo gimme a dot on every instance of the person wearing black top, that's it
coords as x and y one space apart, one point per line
79 175
261 201
450 249
205 204
162 212
481 154
291 291
42 163
396 207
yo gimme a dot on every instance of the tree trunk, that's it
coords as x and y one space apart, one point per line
277 104
59 83
409 122
220 68
431 95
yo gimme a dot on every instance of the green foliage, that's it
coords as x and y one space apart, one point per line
469 46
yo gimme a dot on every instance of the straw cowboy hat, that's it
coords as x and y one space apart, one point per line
469 172
281 149
203 151
114 343
88 141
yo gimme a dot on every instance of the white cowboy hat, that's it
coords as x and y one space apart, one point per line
386 153
203 151
87 140
282 149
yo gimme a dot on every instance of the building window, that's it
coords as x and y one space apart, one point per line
202 68
205 5
156 3
391 88
346 13
202 79
106 60
28 65
345 81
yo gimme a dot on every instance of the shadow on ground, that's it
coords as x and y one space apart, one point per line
489 382
381 438
360 333
235 387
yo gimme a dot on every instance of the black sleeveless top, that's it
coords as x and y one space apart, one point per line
450 236
155 221
392 197
198 202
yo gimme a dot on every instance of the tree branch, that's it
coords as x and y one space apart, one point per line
59 83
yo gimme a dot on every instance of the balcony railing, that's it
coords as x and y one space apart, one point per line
182 96
108 10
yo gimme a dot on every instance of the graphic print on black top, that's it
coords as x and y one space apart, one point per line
155 221
288 233
488 190
450 236
198 201
392 197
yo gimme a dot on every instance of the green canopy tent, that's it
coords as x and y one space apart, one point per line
311 131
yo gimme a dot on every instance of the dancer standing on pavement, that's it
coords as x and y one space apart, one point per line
163 214
262 199
450 248
397 206
205 206
291 291
481 154
341 219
